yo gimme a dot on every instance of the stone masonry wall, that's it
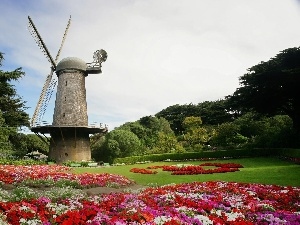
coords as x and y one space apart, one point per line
70 105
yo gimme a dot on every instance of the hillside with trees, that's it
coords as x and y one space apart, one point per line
264 112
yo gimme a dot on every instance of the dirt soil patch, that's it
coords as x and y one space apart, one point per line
89 191
107 190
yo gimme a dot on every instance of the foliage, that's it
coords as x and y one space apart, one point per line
155 124
118 143
176 114
97 146
271 87
166 143
155 134
195 135
25 143
6 147
154 127
11 105
227 135
35 143
20 162
212 113
186 156
277 133
255 131
135 127
12 109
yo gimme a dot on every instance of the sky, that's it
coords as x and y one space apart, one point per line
160 52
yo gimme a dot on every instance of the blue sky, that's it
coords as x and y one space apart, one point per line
160 52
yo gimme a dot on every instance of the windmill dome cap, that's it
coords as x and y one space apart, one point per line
71 63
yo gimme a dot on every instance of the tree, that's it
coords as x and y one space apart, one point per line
167 143
195 135
11 105
12 109
136 128
176 114
121 143
227 135
35 143
214 112
211 112
277 132
271 88
153 126
6 147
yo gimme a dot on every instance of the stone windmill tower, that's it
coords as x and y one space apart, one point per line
69 131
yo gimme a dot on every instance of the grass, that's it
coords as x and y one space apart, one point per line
256 170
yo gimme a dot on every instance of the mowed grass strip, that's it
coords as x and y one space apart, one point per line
256 170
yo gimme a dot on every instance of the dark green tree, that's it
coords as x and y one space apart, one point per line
11 105
214 112
12 109
118 143
176 114
277 132
6 148
136 128
228 135
211 112
154 128
271 88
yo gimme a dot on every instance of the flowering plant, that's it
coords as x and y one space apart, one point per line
194 203
183 204
186 169
55 175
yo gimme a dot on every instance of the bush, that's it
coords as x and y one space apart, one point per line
258 152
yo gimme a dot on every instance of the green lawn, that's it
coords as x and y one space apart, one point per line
256 170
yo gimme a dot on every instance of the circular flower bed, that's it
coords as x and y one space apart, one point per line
185 169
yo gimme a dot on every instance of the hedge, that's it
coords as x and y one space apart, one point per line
294 153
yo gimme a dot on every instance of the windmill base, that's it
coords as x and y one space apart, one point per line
70 149
69 143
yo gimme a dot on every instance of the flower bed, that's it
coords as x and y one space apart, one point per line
10 174
185 169
142 171
194 203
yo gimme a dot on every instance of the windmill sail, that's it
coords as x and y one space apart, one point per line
50 83
38 39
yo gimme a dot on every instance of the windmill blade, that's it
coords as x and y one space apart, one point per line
41 99
63 40
38 39
51 81
47 98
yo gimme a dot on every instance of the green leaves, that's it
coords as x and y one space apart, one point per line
271 87
11 105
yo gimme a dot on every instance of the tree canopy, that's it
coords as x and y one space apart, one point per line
12 110
211 112
271 87
11 105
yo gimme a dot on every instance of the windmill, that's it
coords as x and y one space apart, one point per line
69 131
51 81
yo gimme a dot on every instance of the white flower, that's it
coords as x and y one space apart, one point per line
22 220
204 220
160 220
233 215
